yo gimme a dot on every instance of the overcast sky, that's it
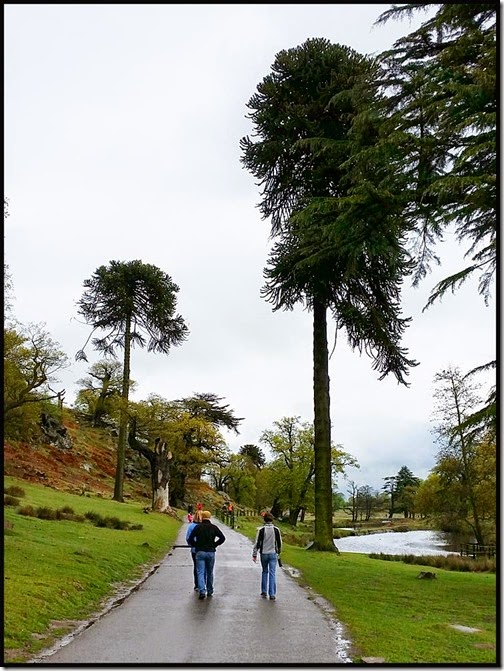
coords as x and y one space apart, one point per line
122 129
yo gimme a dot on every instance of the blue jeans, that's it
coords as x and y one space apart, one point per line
268 563
205 565
195 569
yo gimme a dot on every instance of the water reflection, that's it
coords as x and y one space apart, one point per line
416 543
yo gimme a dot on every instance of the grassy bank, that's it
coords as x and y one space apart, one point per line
388 612
57 572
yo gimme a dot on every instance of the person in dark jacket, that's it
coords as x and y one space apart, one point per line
205 538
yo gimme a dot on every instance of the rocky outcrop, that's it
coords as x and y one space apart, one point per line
55 433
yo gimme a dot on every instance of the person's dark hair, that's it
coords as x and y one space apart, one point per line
268 517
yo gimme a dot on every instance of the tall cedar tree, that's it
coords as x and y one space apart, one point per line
441 104
440 86
338 242
127 300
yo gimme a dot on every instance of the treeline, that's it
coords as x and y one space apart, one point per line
364 164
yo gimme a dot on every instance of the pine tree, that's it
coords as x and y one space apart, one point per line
337 246
128 300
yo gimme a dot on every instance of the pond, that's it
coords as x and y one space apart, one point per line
400 543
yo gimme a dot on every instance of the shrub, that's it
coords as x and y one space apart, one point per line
448 562
44 513
342 533
116 523
62 515
11 501
28 511
15 491
296 539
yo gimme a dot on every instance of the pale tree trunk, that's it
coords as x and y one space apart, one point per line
323 539
159 459
160 469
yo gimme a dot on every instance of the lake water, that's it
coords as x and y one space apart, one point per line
416 543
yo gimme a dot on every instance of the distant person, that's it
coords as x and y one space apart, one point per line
205 538
194 522
190 517
268 543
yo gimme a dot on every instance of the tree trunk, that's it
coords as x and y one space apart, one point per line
160 470
276 511
177 489
161 477
123 420
293 516
100 408
323 539
467 471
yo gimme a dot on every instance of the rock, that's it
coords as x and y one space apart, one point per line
54 432
464 629
426 575
373 660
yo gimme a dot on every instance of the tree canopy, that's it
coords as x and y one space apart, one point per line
336 246
440 105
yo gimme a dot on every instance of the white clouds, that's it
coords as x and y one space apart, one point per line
122 129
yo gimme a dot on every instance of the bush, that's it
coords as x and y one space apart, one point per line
28 511
296 539
67 513
44 513
342 533
15 491
11 501
448 562
116 523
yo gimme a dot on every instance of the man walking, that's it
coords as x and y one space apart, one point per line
268 543
205 538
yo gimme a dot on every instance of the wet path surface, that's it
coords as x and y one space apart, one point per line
163 621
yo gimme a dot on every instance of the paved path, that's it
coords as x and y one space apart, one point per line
164 622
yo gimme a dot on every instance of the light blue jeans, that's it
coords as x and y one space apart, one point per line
268 563
205 562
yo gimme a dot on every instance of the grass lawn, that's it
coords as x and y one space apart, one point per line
56 572
388 612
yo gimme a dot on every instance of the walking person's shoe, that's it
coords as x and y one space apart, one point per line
210 594
272 598
202 595
264 595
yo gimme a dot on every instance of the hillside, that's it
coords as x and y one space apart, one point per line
88 467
